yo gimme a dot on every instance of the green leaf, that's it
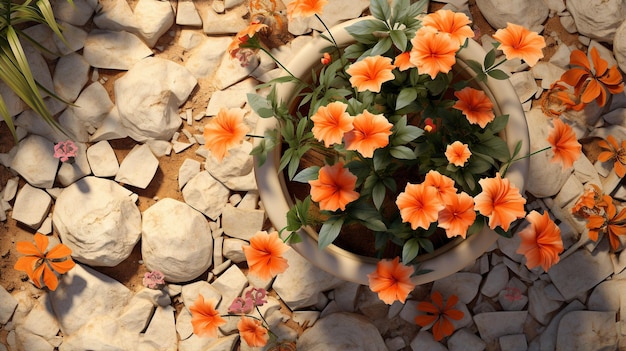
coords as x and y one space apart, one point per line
502 232
381 47
400 9
380 9
490 58
260 105
410 249
399 39
498 74
475 66
417 8
438 85
402 152
329 231
310 173
406 96
427 245
498 123
378 194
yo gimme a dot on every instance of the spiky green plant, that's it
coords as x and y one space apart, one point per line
14 69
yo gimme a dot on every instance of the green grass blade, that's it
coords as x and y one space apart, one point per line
4 111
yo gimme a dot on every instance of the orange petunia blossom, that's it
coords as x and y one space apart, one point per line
305 8
403 61
265 255
224 131
611 150
565 145
588 201
541 241
370 132
242 37
432 52
518 42
391 280
41 264
439 314
458 153
370 73
419 205
500 201
252 332
610 222
334 187
331 122
590 84
475 105
205 319
455 24
446 192
458 215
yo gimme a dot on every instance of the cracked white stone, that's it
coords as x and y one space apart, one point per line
31 206
35 162
68 173
187 170
70 76
206 194
464 285
153 19
597 19
102 159
138 167
74 39
114 49
242 223
345 331
187 14
591 330
527 14
493 325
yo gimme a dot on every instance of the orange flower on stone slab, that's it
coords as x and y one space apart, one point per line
455 24
458 215
518 42
458 153
611 150
391 280
334 187
588 201
370 73
500 201
403 61
370 132
475 105
41 264
438 315
419 205
242 37
565 145
541 241
224 131
265 255
331 122
446 192
252 332
432 52
305 8
205 319
610 222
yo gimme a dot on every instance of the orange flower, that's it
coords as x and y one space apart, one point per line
564 143
454 24
500 201
391 280
419 205
370 132
205 319
439 314
589 202
611 150
305 8
224 131
265 255
41 264
458 153
370 73
325 59
596 83
519 42
252 332
334 188
475 105
446 192
331 122
433 53
242 37
609 222
541 241
403 61
458 215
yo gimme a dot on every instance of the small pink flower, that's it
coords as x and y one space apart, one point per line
241 306
512 294
63 150
257 295
153 280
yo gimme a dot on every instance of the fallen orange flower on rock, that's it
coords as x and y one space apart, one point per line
41 264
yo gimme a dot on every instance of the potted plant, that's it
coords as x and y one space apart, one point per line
420 135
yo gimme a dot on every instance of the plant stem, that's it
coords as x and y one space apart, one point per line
255 136
278 63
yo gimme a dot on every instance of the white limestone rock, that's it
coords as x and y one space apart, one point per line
228 23
14 104
547 339
597 19
74 39
92 105
232 97
548 73
136 314
187 14
83 294
425 341
116 15
540 306
230 284
42 34
187 170
8 304
176 240
101 332
114 49
205 57
110 128
619 46
231 249
513 296
10 189
236 170
492 325
148 97
496 280
70 172
106 225
160 148
242 223
102 159
191 291
138 167
524 84
206 194
342 331
607 296
39 69
230 71
31 206
76 13
529 13
465 340
335 11
161 332
195 343
587 330
463 284
514 342
153 19
40 321
70 76
35 162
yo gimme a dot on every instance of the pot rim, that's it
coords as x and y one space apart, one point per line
355 268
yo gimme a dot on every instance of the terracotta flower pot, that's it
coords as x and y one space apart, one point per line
351 267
